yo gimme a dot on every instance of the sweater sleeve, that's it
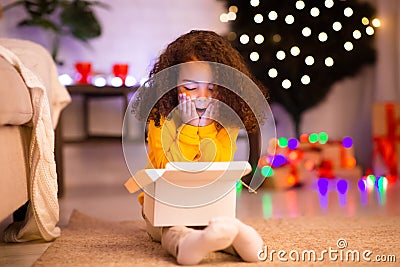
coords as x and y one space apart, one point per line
166 143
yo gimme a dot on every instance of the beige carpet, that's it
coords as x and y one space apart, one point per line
88 241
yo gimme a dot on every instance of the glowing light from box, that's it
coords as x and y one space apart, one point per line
313 138
293 143
337 26
323 137
231 15
347 142
342 186
272 15
116 82
300 5
282 142
65 79
267 171
279 160
291 180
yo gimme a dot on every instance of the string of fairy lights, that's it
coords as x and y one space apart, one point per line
265 17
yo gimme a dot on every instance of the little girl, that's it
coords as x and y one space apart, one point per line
183 126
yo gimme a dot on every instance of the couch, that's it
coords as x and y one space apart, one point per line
25 65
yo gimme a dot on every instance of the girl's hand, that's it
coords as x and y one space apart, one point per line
208 117
187 110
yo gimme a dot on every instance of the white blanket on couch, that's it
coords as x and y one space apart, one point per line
43 210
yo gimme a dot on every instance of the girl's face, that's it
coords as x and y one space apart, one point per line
195 80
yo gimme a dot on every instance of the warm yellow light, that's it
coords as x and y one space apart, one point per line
295 51
348 12
276 38
329 62
289 19
224 17
365 21
258 18
233 9
357 34
259 39
254 56
348 46
322 37
272 73
369 30
280 55
314 12
376 23
306 31
337 26
231 36
244 39
254 2
300 5
272 15
231 15
305 79
286 84
309 60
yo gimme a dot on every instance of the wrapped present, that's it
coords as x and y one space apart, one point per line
386 138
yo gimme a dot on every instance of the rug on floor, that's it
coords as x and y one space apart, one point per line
89 241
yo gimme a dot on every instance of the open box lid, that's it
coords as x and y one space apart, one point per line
190 174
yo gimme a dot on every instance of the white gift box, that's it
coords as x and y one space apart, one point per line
189 193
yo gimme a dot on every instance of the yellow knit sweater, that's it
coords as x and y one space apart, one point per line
188 143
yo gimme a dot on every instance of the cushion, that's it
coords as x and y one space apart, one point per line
15 101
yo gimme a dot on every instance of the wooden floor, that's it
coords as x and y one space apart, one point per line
96 171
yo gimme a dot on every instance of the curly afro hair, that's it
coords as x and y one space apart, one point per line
201 45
